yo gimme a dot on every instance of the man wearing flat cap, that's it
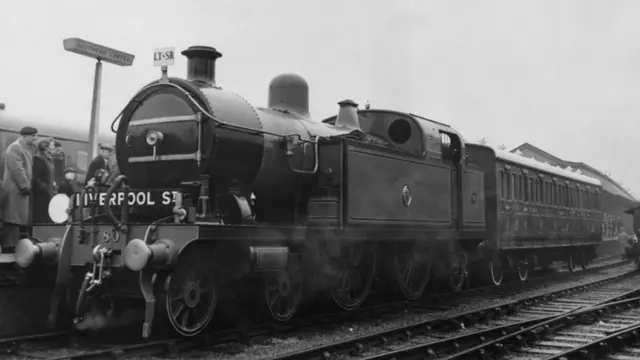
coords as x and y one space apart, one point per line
68 185
16 186
101 162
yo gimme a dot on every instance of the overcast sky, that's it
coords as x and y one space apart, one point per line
562 75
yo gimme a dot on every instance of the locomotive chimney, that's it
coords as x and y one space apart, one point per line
201 64
348 115
289 92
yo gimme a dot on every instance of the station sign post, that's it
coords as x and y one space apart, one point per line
100 53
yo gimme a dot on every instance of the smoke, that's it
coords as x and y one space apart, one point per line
97 320
93 320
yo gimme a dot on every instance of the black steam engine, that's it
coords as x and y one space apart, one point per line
215 194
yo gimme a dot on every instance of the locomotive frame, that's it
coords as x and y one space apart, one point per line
266 195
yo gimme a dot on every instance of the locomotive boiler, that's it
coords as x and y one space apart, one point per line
220 203
176 130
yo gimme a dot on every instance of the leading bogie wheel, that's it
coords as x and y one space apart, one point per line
190 295
284 291
356 271
411 268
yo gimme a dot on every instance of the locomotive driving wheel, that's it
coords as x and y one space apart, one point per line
357 269
191 298
284 291
457 270
411 268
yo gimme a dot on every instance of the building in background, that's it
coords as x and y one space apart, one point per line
615 200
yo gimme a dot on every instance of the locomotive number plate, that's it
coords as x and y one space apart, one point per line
137 198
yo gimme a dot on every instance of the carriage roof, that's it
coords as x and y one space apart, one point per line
532 163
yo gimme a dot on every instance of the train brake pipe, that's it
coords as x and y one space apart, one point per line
506 343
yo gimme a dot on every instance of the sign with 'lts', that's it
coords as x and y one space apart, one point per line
164 56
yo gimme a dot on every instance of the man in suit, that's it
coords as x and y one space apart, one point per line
100 162
16 187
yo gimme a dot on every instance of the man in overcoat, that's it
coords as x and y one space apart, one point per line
16 186
100 162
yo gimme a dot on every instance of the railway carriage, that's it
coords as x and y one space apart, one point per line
74 143
537 213
75 150
218 196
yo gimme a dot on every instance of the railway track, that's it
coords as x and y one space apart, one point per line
446 323
610 330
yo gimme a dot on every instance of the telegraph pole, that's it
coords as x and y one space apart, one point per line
100 53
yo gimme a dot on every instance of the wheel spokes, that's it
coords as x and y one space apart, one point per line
283 293
355 278
412 267
191 300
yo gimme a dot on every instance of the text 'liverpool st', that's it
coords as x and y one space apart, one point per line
139 198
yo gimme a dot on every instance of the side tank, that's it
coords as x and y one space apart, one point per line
174 130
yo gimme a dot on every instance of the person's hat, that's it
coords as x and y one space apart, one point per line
104 146
28 130
69 169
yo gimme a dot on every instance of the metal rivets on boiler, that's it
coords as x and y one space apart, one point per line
406 196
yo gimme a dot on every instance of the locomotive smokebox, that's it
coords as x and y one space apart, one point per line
201 64
289 92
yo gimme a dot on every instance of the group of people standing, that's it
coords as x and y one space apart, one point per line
28 183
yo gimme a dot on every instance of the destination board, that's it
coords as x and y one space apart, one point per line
163 56
133 198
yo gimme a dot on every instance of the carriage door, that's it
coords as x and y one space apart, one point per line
452 155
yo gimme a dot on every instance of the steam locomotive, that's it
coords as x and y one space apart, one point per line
216 193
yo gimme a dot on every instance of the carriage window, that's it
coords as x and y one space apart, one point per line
509 186
83 160
503 185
